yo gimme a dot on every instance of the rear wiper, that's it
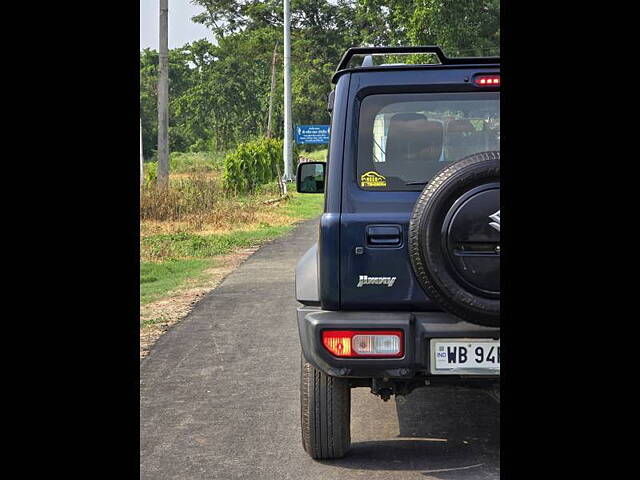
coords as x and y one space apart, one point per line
416 183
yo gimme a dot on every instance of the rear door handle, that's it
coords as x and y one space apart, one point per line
384 235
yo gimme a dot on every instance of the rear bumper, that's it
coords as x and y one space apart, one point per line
418 328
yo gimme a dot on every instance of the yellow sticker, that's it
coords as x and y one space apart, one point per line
372 179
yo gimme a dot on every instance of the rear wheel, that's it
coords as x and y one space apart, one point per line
325 411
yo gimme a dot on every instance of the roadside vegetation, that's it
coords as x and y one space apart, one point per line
316 155
196 231
184 228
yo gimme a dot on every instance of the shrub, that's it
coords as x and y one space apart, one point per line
252 164
150 173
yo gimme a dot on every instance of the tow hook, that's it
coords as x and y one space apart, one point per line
383 388
385 394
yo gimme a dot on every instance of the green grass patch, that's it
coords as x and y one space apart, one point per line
318 155
157 279
189 245
303 205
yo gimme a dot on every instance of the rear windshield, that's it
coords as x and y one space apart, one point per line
404 139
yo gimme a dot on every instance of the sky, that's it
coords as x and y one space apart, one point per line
181 29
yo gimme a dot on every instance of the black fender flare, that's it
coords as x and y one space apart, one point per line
306 278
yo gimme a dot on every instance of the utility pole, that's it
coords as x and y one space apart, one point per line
141 157
273 86
287 150
163 97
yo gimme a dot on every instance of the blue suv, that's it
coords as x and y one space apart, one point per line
402 289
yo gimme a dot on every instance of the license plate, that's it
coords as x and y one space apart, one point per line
465 356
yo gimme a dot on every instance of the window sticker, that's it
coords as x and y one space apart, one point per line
372 179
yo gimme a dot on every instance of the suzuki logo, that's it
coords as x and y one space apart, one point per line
496 220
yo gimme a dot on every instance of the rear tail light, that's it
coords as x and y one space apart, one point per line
363 343
487 80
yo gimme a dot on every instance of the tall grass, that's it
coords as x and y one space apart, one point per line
200 200
183 162
188 226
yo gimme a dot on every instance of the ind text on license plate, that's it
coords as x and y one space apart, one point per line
473 356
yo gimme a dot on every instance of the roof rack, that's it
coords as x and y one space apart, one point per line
443 59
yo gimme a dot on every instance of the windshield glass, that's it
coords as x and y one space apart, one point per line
405 139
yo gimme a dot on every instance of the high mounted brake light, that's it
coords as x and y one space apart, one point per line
487 80
364 343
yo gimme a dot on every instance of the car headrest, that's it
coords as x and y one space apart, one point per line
460 126
412 137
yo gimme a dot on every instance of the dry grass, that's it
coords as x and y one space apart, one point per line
237 216
193 234
197 203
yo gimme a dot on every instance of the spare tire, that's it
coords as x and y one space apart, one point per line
454 238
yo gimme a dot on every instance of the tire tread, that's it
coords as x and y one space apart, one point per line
325 411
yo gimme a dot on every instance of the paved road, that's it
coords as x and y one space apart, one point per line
219 396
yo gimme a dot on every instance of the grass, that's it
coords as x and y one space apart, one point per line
156 279
317 155
189 228
148 322
196 162
177 250
301 206
180 162
167 247
195 232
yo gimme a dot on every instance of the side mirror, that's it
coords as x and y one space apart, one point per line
330 100
310 177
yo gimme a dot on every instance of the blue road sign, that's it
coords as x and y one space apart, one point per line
312 134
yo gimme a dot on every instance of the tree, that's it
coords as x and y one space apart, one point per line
220 91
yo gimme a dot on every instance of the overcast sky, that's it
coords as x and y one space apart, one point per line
181 29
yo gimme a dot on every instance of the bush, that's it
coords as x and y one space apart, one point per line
150 173
252 164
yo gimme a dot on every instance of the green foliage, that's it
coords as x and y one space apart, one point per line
252 164
461 28
150 174
181 80
219 92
